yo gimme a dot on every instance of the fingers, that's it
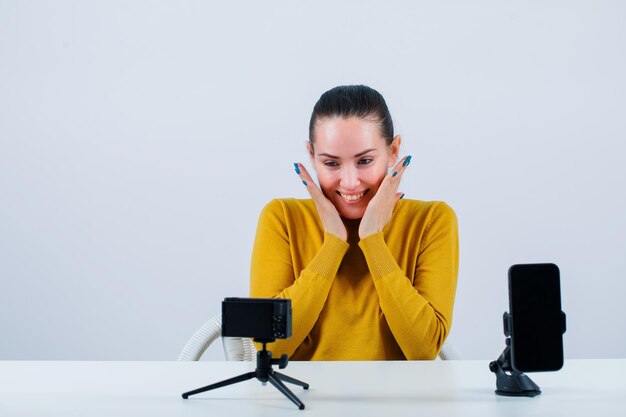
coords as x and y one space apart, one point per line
399 169
391 182
308 182
299 168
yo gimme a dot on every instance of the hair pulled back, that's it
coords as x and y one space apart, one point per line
353 101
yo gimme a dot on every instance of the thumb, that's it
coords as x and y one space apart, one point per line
399 195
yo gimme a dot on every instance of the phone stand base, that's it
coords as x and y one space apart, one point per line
510 382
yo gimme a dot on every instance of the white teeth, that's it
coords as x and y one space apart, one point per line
352 197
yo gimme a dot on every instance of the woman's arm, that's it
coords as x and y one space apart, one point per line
272 273
419 314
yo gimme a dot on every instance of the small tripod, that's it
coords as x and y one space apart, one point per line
263 373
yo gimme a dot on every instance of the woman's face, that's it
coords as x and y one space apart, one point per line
351 159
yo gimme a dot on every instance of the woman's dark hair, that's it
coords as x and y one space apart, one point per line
353 101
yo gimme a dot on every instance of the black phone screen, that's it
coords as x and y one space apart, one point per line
536 320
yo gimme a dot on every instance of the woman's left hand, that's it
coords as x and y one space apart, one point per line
379 210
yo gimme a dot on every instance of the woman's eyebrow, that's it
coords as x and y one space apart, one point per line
356 156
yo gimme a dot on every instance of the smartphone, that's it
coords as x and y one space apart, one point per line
536 320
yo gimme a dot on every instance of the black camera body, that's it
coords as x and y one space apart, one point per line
256 318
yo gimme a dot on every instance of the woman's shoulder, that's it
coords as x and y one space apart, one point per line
290 207
425 210
424 205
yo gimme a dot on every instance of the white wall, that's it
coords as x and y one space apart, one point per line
139 141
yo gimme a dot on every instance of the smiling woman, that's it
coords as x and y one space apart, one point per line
351 161
370 276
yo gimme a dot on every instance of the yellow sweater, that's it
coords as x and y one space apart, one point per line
388 296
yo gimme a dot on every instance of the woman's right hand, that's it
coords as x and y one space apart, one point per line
325 209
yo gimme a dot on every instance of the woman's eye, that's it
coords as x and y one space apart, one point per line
365 161
331 164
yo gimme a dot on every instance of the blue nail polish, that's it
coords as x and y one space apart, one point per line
407 161
402 196
304 182
297 168
394 173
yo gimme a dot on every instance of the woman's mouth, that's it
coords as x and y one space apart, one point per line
352 198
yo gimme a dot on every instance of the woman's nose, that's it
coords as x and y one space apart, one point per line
349 179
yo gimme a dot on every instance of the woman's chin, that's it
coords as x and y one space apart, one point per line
351 213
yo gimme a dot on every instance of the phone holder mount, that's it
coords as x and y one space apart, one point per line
510 382
263 373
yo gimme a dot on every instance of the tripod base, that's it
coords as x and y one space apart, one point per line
263 373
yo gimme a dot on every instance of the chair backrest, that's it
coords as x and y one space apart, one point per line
235 348
242 348
448 352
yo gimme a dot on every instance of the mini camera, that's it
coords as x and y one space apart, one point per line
264 320
257 318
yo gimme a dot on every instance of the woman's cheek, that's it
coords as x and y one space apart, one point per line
325 178
376 176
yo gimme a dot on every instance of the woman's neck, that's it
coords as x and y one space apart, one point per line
352 227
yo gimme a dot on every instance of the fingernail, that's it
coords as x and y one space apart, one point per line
402 196
407 161
304 182
297 168
394 173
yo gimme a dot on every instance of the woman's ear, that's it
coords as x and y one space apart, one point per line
394 150
311 152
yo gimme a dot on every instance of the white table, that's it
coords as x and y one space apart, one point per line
430 388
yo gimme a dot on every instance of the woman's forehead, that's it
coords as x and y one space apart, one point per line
346 137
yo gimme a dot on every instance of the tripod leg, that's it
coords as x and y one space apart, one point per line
287 378
282 388
230 381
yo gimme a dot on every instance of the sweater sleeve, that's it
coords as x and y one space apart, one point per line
419 314
272 274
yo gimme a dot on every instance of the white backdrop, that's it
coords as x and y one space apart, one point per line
140 140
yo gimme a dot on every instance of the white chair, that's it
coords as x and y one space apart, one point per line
448 352
235 348
242 349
